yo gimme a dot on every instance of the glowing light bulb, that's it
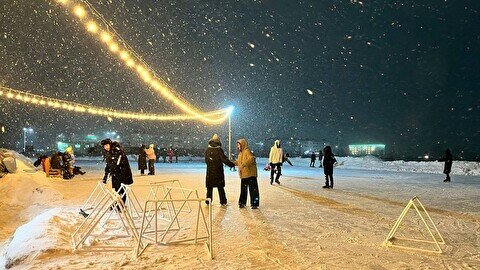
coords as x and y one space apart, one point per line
130 63
106 37
19 97
113 47
42 102
63 2
140 69
34 100
124 55
92 27
79 11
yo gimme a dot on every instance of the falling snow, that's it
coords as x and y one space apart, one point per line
408 69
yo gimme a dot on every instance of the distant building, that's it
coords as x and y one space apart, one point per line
366 149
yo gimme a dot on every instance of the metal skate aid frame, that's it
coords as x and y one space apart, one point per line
433 231
164 231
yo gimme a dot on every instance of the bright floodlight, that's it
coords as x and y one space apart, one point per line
230 109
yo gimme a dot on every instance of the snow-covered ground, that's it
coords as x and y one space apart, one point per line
299 225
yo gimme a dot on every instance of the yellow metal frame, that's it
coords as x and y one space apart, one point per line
433 231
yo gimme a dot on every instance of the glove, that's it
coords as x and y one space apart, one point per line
104 180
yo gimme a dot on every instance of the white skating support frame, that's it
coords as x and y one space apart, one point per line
98 192
172 183
435 234
162 233
111 201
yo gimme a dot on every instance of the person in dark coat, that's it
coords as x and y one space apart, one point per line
117 166
312 159
328 161
215 158
447 168
142 159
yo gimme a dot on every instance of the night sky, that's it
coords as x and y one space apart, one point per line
403 73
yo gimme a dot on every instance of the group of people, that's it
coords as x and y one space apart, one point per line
145 154
148 157
59 163
247 169
117 166
313 158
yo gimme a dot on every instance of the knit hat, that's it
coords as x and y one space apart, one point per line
215 138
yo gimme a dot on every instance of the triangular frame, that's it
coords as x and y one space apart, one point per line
108 203
436 236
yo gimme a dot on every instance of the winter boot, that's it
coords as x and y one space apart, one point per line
326 183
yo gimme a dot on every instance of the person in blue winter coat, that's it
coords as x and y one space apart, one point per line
328 162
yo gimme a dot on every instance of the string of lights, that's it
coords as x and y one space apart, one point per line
107 35
29 98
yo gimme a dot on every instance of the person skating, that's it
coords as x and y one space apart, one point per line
312 159
247 169
328 161
142 159
320 157
150 151
117 166
275 158
215 158
447 168
286 158
170 155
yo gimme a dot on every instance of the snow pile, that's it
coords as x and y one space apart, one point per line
374 163
23 164
22 196
48 234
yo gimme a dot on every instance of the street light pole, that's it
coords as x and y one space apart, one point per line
229 136
24 139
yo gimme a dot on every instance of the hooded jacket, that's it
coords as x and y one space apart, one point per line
276 153
247 166
150 151
215 158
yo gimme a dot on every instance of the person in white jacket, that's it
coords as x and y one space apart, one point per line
276 159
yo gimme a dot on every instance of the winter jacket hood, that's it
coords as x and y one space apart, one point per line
276 153
247 166
214 141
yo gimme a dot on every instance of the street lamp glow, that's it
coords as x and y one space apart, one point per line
230 109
